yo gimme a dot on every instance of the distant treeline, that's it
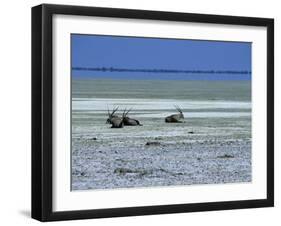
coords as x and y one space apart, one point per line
113 69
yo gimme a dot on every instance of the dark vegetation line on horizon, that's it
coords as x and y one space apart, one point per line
143 70
87 77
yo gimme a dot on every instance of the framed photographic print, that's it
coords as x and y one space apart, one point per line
146 112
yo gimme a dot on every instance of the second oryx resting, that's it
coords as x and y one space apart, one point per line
114 120
175 118
130 121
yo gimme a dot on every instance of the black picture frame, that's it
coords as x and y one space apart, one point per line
42 112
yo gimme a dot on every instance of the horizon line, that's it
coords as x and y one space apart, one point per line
153 70
86 77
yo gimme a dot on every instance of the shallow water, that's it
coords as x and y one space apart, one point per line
217 124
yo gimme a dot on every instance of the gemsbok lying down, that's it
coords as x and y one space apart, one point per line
175 118
130 121
114 120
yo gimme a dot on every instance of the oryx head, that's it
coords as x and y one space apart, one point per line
125 113
179 110
111 115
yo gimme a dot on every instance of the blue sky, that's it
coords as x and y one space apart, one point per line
155 53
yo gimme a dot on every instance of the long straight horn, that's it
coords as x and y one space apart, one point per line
114 110
128 111
124 113
108 111
123 116
178 108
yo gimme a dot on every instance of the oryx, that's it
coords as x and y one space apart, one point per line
114 120
175 118
130 121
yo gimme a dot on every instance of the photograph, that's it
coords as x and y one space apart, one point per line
146 112
149 111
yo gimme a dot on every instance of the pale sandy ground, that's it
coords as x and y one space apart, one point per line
99 166
212 146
